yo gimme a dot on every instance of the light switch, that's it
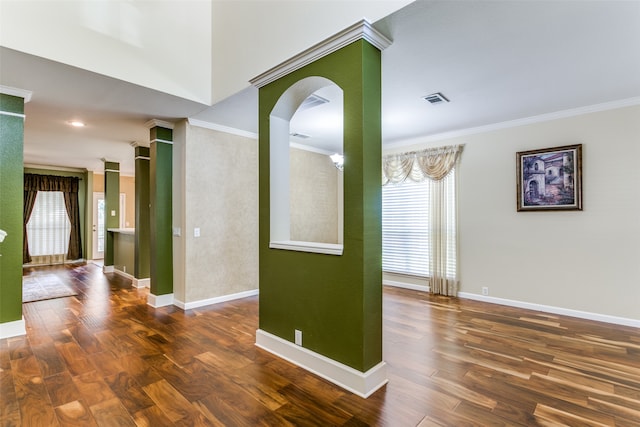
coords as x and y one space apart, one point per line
196 232
177 231
113 213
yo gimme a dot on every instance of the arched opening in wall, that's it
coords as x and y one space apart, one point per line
306 187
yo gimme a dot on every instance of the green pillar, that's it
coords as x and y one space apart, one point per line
111 209
143 226
329 304
160 198
11 203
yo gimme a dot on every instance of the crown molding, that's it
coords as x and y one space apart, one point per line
605 106
159 123
13 91
360 30
222 128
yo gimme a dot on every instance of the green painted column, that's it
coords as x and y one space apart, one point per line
111 209
143 226
160 198
336 301
11 203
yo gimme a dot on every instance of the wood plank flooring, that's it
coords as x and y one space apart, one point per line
105 358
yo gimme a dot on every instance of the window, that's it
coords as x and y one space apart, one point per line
406 229
48 228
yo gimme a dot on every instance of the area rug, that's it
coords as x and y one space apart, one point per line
42 287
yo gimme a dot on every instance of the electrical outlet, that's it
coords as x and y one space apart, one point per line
298 337
485 290
196 232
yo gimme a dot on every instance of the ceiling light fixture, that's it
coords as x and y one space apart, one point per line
338 161
76 123
436 98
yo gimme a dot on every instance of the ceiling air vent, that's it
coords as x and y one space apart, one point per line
435 98
311 101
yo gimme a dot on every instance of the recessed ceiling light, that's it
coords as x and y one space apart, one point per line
77 123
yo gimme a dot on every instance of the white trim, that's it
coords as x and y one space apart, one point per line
108 269
222 128
359 30
216 300
14 91
161 140
141 283
112 170
364 384
310 148
159 123
313 247
9 113
629 102
554 310
13 329
142 158
136 283
157 301
405 285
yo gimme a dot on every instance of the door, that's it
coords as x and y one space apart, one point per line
98 225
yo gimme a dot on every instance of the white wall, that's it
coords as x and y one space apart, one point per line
220 196
250 37
143 42
580 260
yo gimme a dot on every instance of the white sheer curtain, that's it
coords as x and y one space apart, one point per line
48 228
437 165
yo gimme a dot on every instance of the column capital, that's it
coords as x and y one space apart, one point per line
159 123
13 91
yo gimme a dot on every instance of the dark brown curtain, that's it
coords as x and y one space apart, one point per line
27 208
68 185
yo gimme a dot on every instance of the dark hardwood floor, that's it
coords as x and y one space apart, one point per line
106 358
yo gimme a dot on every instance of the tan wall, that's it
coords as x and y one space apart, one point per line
579 260
313 182
128 187
219 187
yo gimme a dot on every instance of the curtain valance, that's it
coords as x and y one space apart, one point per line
432 163
65 184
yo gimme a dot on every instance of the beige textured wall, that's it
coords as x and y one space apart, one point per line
580 260
313 183
221 198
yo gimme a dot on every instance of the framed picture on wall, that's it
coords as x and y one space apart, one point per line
550 179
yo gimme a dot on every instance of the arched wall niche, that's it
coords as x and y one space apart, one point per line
280 183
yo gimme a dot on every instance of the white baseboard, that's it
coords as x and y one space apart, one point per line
141 283
361 383
405 285
108 269
13 329
554 310
157 301
216 300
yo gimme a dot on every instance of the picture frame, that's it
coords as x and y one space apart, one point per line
549 179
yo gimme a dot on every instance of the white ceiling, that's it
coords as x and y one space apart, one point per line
495 60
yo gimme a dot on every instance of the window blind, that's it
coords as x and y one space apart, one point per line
49 227
406 229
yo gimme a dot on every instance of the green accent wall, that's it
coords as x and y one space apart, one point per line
160 185
11 202
111 203
142 264
336 301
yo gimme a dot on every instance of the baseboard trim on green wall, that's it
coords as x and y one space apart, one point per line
12 329
157 301
363 384
108 269
136 283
